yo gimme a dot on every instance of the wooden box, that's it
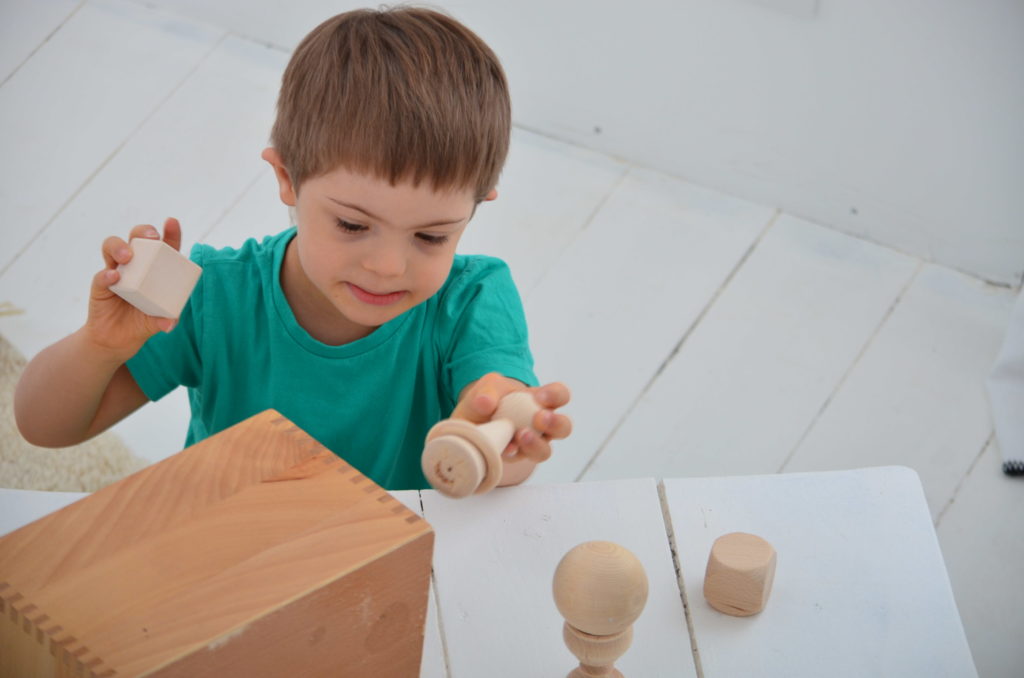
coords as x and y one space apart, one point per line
257 552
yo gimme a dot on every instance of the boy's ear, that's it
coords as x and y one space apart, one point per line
491 195
284 181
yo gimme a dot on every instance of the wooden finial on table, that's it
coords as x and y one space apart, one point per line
462 458
600 589
739 575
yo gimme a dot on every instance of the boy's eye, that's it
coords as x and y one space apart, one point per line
432 239
349 227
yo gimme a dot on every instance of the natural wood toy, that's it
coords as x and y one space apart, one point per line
600 589
462 458
739 575
158 280
255 553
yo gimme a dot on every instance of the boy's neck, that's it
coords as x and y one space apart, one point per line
313 311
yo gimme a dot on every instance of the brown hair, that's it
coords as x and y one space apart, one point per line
402 94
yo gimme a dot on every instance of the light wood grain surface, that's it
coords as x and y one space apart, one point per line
246 552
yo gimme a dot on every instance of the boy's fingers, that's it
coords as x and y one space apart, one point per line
484 398
533 446
172 233
484 403
144 231
553 425
553 395
105 278
115 251
165 324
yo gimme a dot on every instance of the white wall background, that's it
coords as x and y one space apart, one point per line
900 121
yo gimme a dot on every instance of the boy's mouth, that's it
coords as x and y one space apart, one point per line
372 298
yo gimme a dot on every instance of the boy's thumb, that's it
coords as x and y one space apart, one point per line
485 402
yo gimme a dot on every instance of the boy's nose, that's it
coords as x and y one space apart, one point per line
387 262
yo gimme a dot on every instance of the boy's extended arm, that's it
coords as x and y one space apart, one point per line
72 391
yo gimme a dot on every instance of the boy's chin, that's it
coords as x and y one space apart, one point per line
371 317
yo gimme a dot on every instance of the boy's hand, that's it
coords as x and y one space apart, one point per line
113 323
480 400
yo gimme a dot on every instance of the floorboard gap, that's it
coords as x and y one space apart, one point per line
682 341
852 366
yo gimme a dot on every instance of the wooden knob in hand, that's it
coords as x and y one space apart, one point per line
462 458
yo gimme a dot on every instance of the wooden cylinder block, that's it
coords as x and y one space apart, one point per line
739 575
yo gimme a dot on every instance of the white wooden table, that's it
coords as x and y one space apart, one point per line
861 588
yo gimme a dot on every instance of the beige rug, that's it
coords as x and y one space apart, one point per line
83 468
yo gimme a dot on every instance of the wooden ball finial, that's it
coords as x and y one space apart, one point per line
739 575
600 588
461 458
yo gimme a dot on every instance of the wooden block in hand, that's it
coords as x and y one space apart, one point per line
158 280
255 553
739 575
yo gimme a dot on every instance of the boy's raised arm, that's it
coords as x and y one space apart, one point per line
70 393
79 386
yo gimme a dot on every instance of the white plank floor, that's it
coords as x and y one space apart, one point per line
702 334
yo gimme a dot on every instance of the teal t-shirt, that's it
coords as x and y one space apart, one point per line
239 350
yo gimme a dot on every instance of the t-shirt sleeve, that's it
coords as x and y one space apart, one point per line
171 359
482 327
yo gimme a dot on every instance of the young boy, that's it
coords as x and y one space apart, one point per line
360 323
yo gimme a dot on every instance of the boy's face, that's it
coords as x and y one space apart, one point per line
367 251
